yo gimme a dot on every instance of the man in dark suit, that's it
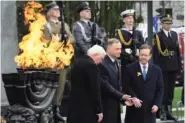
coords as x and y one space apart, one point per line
166 55
144 82
130 38
111 90
85 97
83 31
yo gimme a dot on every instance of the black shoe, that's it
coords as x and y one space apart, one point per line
163 113
169 115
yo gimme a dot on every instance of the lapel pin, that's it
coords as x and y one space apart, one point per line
138 73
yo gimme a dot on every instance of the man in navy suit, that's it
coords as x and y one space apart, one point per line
111 90
144 82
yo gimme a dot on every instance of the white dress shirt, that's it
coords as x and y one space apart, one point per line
166 32
146 69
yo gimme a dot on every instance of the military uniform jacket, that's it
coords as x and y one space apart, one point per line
126 57
54 28
84 43
169 61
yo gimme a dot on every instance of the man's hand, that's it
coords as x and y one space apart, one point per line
137 102
100 117
127 99
154 109
128 103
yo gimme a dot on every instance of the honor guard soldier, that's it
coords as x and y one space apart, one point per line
166 55
130 38
52 31
86 32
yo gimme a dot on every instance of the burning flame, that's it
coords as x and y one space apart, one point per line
35 50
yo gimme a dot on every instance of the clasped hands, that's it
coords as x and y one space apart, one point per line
136 102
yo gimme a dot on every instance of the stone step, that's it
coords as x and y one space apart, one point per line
180 120
168 121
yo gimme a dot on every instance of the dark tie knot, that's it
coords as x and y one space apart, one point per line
144 67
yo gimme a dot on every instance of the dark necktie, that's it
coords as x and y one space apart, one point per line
116 65
89 24
169 36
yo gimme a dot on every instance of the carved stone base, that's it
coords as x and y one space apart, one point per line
47 116
20 114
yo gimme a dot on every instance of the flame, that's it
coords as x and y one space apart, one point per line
35 53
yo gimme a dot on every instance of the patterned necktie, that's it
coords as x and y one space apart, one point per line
144 72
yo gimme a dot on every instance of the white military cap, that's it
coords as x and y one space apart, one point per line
128 12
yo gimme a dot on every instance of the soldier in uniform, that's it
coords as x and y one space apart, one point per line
166 55
130 38
86 32
52 31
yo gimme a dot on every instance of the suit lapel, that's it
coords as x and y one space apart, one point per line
139 72
148 72
112 65
113 70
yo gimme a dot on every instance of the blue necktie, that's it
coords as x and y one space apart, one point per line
144 72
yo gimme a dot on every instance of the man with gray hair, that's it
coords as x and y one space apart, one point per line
85 100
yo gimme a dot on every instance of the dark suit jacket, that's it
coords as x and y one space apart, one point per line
85 96
167 63
111 91
149 91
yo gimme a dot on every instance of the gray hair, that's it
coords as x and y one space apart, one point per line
96 49
112 41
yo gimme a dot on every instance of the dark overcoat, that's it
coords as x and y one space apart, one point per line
85 96
150 91
111 91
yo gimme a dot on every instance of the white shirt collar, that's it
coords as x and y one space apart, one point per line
55 21
86 21
111 58
124 28
141 65
166 32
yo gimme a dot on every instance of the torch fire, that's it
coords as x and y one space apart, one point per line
35 51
